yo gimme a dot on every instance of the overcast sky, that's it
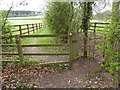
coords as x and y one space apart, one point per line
33 5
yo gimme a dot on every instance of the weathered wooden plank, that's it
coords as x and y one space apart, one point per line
10 45
20 51
56 35
8 61
34 45
42 45
8 53
53 63
41 64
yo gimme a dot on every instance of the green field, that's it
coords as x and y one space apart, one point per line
25 20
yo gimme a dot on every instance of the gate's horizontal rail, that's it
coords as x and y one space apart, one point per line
34 45
41 64
56 35
7 53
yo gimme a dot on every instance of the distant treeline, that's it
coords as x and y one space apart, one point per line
24 13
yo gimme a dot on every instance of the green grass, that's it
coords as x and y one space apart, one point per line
20 22
22 27
23 20
45 40
41 40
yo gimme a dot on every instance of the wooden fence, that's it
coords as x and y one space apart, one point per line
72 44
96 37
24 29
73 41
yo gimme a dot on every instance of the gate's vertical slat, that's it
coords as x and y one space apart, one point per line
20 51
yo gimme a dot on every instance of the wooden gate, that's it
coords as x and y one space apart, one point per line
72 43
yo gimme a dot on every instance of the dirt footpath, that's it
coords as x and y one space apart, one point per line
77 77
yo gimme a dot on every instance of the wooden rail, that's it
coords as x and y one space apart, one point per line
8 53
34 45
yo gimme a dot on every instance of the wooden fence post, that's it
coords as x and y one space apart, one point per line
39 25
28 29
20 51
94 39
20 29
36 27
70 50
33 27
75 45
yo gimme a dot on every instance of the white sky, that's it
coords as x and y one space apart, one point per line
34 5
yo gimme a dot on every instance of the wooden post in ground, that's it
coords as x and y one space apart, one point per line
20 29
39 25
20 51
36 27
75 45
33 27
70 50
94 39
28 29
